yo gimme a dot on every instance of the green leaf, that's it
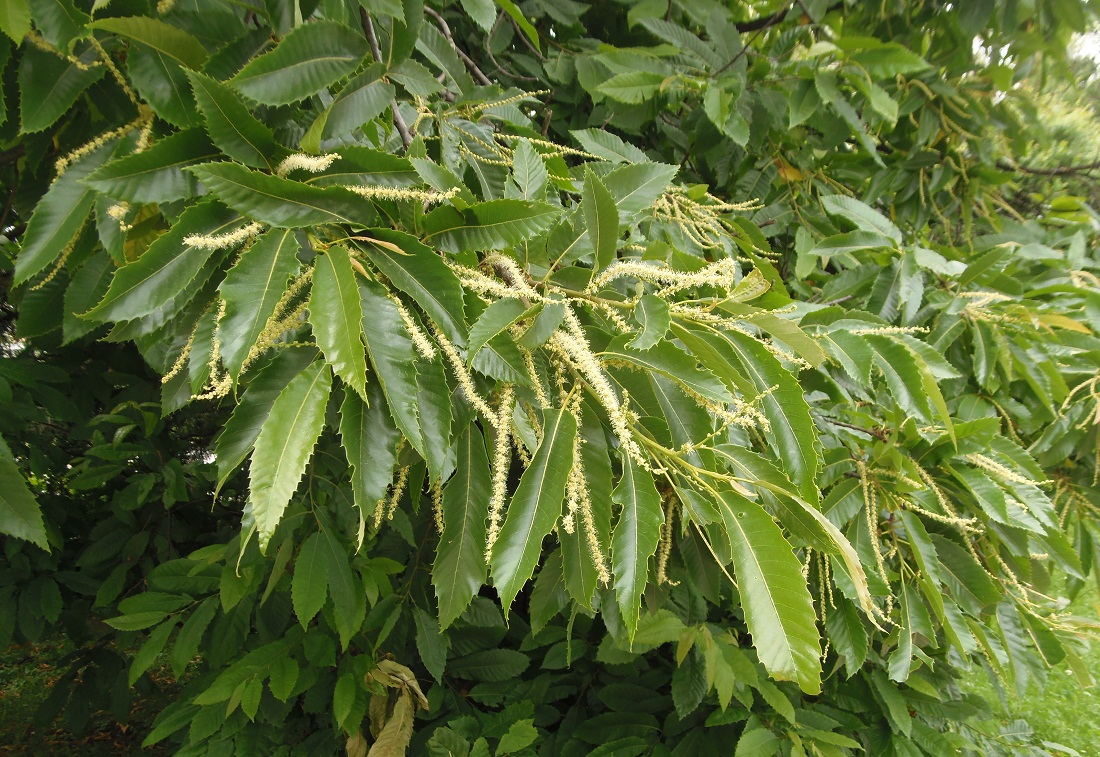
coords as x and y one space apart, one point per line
309 588
802 518
346 592
490 665
669 360
137 621
190 636
88 286
653 315
482 12
606 146
285 445
636 187
308 59
231 127
888 60
48 87
430 642
601 219
529 172
361 100
893 704
632 87
251 289
851 241
162 37
459 569
163 84
793 434
634 539
393 358
59 22
492 225
150 650
549 318
370 442
902 369
421 274
20 515
862 215
778 609
514 12
494 320
15 19
166 268
535 507
58 217
363 165
520 735
758 742
434 402
284 675
154 175
282 202
240 431
337 317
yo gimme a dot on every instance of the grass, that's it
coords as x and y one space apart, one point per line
27 672
1063 711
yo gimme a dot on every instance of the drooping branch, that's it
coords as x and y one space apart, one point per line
1073 170
372 38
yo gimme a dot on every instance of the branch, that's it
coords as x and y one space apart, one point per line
466 60
1082 168
764 21
398 119
12 155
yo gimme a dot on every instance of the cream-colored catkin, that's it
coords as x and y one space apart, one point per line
421 343
502 458
871 510
462 375
309 163
397 194
224 241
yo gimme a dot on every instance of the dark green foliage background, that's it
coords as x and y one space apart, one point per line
910 305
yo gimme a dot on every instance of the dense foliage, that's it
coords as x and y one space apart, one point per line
635 378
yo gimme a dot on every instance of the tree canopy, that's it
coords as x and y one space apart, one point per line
559 378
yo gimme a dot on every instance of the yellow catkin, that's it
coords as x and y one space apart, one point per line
125 85
282 319
398 491
664 548
437 506
62 259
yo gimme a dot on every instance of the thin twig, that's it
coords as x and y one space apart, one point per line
466 60
398 119
523 38
489 52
